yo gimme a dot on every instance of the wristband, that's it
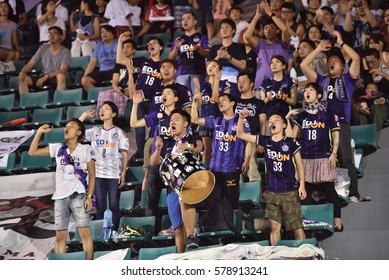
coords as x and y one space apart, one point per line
272 15
341 45
334 155
89 195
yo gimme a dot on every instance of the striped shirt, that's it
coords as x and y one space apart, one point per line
227 149
108 145
280 169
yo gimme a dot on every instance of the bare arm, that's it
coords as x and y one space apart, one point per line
300 173
91 66
194 112
122 178
134 122
96 30
355 66
91 184
308 72
34 150
248 137
155 158
335 147
249 33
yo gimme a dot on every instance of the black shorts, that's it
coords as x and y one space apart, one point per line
51 82
100 76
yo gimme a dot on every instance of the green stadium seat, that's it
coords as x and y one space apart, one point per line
81 255
31 164
322 214
13 86
127 200
67 97
365 137
154 253
7 102
134 176
297 243
56 135
10 164
99 254
6 117
93 95
45 116
33 100
256 226
147 223
250 194
76 112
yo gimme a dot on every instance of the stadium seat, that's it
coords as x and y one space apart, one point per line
76 70
6 117
31 164
250 194
256 226
297 243
67 97
10 164
165 239
322 215
142 53
154 253
93 95
146 223
56 135
134 176
99 254
28 51
7 102
45 116
162 205
81 255
33 100
76 112
126 202
361 166
365 137
13 86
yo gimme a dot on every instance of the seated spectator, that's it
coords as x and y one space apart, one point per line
55 59
135 16
371 108
17 12
87 29
236 14
47 19
270 45
116 12
104 56
100 8
9 43
377 41
375 71
61 12
221 9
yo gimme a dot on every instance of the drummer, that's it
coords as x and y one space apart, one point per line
182 215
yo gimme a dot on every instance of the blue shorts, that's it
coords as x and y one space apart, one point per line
174 210
75 204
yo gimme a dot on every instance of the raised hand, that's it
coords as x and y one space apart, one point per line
45 128
137 97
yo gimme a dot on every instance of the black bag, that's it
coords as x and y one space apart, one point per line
219 216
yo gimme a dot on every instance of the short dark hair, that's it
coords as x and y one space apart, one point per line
230 22
217 62
378 37
373 52
56 28
274 112
160 42
328 9
289 6
169 61
309 42
113 106
318 88
230 97
185 115
237 8
173 88
334 51
190 12
131 42
245 73
80 124
109 28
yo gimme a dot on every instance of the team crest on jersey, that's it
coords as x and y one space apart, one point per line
92 152
233 127
196 40
115 136
285 148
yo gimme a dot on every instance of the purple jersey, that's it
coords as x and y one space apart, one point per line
338 93
227 149
209 108
315 133
152 121
255 107
149 78
272 86
190 62
280 169
184 99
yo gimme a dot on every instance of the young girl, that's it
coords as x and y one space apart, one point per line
278 92
210 94
47 19
318 150
87 28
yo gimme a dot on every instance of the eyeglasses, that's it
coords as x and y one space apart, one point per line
286 12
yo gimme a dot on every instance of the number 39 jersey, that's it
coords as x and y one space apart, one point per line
280 169
227 149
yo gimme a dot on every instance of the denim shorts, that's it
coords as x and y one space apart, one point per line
174 209
75 204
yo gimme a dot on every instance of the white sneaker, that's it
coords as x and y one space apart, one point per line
9 66
354 199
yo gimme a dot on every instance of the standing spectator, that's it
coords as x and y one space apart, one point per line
210 90
281 195
230 155
104 56
9 43
192 50
271 45
256 118
236 14
203 12
232 56
361 26
307 15
47 19
338 88
110 144
278 92
55 59
74 182
289 18
87 29
313 127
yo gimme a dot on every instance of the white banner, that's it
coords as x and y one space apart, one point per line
11 140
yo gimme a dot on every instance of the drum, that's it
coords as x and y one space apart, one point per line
186 175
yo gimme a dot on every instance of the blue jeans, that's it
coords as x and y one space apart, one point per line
187 80
110 186
144 109
75 204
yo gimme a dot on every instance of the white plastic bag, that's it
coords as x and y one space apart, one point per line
342 182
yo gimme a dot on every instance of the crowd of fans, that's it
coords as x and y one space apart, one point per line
221 66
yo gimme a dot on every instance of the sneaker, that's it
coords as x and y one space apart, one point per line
9 66
166 232
192 242
354 199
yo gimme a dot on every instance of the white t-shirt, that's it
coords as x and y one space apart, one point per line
239 27
117 8
60 12
44 29
107 145
135 12
66 181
